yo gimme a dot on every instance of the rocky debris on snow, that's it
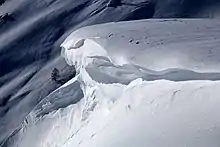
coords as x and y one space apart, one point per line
61 78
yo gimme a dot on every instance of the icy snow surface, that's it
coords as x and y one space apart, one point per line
148 83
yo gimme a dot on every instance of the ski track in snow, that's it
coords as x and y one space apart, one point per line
130 98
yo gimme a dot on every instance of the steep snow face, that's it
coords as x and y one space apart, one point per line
126 102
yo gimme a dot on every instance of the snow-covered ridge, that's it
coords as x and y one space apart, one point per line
102 54
138 88
176 50
157 44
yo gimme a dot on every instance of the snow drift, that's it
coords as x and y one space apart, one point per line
141 83
29 47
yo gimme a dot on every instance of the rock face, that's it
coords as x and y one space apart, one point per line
2 2
6 18
114 3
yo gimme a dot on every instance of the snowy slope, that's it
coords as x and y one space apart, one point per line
144 83
30 47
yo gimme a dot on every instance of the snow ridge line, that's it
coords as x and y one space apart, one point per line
80 54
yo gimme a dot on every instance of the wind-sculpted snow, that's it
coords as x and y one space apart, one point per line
158 44
31 34
121 98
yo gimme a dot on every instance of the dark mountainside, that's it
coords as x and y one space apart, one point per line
32 30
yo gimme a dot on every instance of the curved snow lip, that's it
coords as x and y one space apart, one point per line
157 44
88 55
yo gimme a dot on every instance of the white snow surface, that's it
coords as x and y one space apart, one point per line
149 83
